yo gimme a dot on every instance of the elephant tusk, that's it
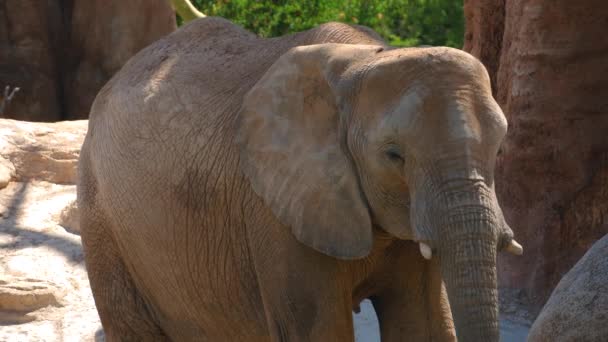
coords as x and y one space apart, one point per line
426 251
515 248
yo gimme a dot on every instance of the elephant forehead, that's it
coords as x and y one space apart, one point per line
461 122
406 113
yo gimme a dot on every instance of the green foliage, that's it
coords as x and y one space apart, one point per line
401 22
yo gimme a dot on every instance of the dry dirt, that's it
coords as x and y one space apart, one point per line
43 282
44 290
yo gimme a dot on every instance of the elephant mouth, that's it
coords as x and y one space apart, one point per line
382 233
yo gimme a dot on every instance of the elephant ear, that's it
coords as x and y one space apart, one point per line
291 150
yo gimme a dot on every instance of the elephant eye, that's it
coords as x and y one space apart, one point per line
499 151
394 156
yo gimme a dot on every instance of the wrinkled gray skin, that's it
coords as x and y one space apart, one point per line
235 188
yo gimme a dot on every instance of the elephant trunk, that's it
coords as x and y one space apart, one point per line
468 268
469 224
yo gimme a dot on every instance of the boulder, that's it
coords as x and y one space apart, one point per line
69 218
19 296
7 172
44 290
36 151
61 52
578 307
552 172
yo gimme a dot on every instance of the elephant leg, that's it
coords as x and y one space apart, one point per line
414 306
303 295
123 313
306 306
441 322
290 320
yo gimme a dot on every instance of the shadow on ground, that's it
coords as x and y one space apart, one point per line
24 237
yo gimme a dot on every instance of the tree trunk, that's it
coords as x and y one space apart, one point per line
484 30
28 29
552 174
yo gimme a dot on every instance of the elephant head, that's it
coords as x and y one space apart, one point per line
338 139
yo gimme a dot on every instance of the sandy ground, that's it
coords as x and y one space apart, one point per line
42 258
42 273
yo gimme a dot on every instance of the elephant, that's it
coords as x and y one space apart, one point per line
234 187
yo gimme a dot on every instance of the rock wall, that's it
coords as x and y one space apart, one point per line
552 173
61 52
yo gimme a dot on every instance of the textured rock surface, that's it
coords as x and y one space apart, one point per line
37 151
19 296
485 21
44 290
69 218
578 308
7 172
60 52
552 174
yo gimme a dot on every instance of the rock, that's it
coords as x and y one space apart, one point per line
60 53
41 151
552 173
69 218
7 172
44 290
19 296
578 307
